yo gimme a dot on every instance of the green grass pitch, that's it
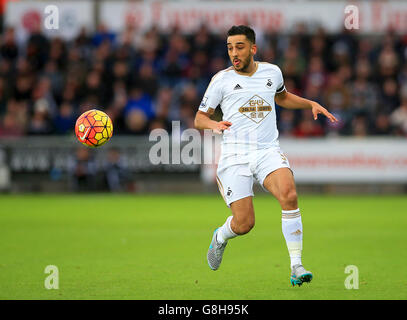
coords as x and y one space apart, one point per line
154 247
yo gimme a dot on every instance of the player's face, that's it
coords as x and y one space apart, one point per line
241 51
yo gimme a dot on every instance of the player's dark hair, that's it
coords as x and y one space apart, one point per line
245 30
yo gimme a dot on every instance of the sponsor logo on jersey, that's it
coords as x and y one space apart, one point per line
237 87
256 109
203 102
229 192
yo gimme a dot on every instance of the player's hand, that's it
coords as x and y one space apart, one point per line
221 126
317 109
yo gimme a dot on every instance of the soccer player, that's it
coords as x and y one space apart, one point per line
246 93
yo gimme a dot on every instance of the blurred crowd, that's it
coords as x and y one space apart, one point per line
86 175
145 80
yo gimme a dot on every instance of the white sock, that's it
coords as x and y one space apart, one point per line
292 229
225 232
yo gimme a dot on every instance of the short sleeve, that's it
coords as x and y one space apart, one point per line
213 95
280 81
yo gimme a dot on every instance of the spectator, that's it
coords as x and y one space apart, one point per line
83 171
307 127
147 81
95 88
341 53
313 93
136 122
318 46
389 96
337 100
116 172
23 87
15 120
398 118
159 123
217 64
151 40
56 78
42 92
202 40
363 93
176 59
382 125
8 47
188 101
40 122
286 122
57 52
365 50
3 96
359 126
316 75
140 101
388 61
101 35
9 127
292 63
163 104
82 41
402 75
37 50
120 73
65 119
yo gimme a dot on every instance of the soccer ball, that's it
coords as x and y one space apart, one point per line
93 128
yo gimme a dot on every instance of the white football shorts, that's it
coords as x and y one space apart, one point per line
235 178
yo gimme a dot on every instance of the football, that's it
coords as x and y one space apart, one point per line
93 128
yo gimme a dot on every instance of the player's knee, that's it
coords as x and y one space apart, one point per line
243 226
289 197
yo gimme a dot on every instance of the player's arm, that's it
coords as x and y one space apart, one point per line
203 121
291 101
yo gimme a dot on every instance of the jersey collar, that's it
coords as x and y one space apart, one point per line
252 73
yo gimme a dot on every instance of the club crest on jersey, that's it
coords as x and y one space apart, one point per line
256 109
269 83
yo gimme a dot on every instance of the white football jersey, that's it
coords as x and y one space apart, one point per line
248 103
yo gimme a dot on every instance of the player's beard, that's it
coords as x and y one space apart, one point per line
245 64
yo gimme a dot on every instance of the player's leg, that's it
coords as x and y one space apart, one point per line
274 173
242 219
236 188
282 185
241 222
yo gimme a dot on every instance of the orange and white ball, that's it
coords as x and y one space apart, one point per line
93 128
